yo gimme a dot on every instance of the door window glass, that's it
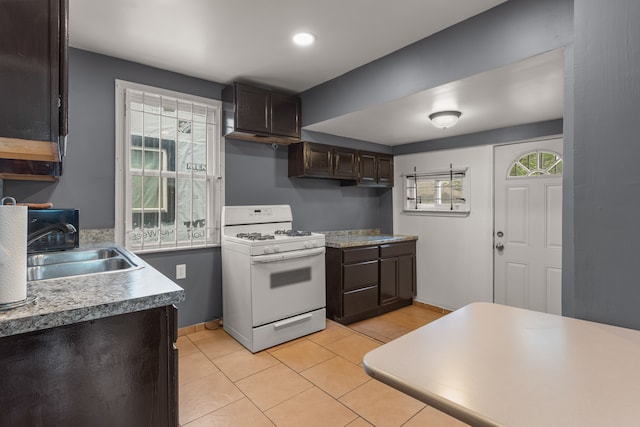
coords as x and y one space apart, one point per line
536 163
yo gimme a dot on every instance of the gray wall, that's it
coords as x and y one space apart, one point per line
89 168
255 174
606 153
602 90
494 136
508 33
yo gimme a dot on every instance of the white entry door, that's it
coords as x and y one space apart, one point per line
528 225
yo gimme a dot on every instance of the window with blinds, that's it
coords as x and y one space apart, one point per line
439 191
169 161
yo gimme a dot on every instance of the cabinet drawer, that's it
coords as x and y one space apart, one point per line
397 249
360 275
360 254
355 302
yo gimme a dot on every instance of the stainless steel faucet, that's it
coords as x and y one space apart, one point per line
55 228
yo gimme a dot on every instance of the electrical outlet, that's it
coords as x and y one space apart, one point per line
181 271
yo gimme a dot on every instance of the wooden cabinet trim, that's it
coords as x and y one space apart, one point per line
22 149
360 254
397 249
371 173
357 276
345 163
360 301
252 109
388 280
285 115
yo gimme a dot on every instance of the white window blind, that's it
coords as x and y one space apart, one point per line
440 191
169 169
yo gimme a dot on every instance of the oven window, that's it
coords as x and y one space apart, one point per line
290 277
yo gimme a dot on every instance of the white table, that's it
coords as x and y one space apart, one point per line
492 365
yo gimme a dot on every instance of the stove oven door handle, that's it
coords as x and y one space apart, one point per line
287 255
292 321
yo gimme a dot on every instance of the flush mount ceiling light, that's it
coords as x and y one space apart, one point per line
304 39
444 119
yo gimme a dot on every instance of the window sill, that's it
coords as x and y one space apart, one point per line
175 249
456 213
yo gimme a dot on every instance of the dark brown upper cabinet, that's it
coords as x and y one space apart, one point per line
257 114
345 163
252 109
285 115
376 169
368 174
385 170
33 84
312 160
352 167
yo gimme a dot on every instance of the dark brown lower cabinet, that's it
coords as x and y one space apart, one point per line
388 280
397 272
367 281
115 371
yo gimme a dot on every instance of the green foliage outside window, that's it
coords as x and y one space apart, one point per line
538 163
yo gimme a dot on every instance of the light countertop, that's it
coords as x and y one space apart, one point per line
366 237
81 298
492 365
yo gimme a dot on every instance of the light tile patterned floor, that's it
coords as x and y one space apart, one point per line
315 380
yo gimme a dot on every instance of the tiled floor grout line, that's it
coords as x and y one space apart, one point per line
337 399
223 373
288 366
408 318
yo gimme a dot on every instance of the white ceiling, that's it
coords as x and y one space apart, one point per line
250 40
525 92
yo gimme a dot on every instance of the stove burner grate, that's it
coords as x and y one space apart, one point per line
293 233
255 236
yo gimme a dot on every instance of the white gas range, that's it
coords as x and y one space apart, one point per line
273 277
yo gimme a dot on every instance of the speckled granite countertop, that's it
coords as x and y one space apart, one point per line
78 299
353 238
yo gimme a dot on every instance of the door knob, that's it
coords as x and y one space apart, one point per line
499 246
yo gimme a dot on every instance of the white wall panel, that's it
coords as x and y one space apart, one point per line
455 254
554 290
517 284
518 217
553 216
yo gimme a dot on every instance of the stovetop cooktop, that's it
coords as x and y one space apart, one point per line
277 233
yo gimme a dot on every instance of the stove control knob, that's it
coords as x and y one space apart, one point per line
276 249
308 245
268 249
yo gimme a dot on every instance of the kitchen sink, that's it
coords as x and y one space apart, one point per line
62 264
71 256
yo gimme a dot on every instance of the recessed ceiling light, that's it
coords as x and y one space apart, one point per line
304 39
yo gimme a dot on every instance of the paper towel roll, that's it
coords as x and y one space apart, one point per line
13 253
